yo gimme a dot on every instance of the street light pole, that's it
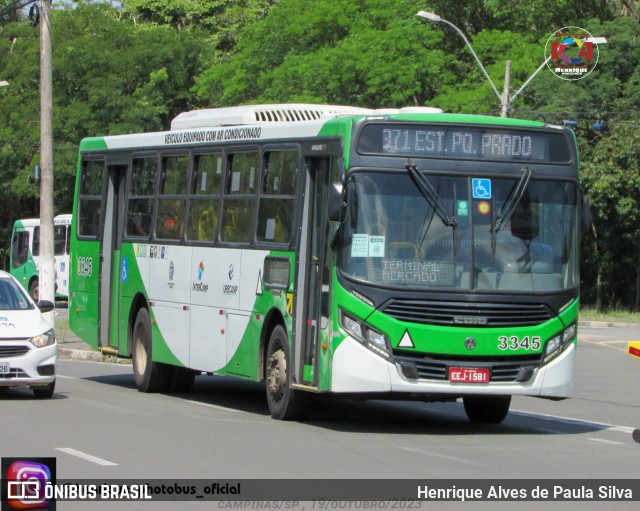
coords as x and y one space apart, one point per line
437 19
505 98
504 112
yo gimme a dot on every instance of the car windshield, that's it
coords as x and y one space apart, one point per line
515 233
11 296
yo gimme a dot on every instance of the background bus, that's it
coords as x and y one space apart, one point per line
387 254
25 254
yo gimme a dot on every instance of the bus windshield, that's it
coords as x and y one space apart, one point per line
514 233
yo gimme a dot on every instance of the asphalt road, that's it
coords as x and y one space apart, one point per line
99 426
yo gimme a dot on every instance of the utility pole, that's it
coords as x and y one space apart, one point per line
47 269
504 112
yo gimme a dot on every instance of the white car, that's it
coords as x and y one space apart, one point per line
28 349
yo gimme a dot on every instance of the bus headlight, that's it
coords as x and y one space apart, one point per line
558 343
373 339
45 339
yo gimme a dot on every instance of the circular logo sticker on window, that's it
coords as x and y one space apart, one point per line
484 207
571 53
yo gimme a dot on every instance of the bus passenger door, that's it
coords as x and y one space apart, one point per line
314 275
110 245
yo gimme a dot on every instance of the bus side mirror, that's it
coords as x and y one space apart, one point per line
585 213
337 206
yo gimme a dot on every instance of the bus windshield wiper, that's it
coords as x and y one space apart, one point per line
512 201
430 194
509 206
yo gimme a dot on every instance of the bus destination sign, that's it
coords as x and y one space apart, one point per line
486 143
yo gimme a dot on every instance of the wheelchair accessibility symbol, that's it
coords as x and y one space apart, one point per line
481 188
125 269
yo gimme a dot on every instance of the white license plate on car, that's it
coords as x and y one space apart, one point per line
5 368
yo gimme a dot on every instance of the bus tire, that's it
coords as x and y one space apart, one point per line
149 376
34 290
486 409
284 402
181 380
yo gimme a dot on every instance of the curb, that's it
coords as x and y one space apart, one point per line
607 324
90 356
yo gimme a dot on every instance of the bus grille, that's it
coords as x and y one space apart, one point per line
431 367
465 314
13 351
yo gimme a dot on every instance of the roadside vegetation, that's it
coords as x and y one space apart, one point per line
128 66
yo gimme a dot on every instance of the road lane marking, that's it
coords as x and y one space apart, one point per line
606 344
211 406
86 457
575 422
450 458
66 377
602 440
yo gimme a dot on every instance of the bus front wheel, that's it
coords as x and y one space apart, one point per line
34 290
285 403
486 409
149 376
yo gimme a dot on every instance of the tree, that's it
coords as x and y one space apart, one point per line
110 77
344 52
612 179
220 19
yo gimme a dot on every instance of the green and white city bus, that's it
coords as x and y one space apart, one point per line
25 254
407 254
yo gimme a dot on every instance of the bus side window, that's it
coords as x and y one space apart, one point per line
59 239
276 207
35 248
140 203
240 200
89 200
19 248
139 217
206 181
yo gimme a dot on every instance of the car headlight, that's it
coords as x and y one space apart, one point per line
373 339
558 343
45 339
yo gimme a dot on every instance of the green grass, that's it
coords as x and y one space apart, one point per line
613 315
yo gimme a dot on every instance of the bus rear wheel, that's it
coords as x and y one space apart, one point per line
149 376
486 409
284 402
181 380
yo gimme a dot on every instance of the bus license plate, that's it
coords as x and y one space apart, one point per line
468 375
5 368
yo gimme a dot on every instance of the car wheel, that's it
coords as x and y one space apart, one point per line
45 392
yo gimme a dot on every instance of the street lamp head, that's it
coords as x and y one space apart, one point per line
429 16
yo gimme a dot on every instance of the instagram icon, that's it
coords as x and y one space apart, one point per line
25 484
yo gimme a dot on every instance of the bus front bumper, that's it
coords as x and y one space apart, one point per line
357 369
